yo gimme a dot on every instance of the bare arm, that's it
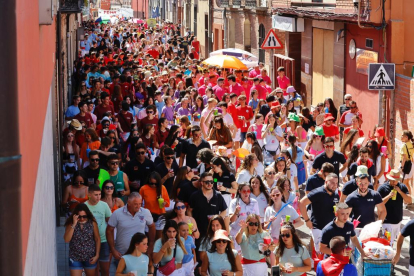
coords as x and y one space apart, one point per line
325 249
120 268
204 265
126 184
157 256
182 156
400 241
111 241
97 239
355 241
239 270
382 212
302 207
342 198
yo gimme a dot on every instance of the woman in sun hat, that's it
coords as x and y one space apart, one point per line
221 259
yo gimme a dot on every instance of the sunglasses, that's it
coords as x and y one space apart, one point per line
112 138
141 152
271 173
254 224
246 192
353 107
169 157
370 147
209 182
152 183
221 241
275 195
94 160
79 182
83 217
109 187
182 207
329 146
114 163
71 136
150 112
318 136
287 236
280 158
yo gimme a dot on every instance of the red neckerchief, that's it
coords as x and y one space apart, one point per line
334 265
369 163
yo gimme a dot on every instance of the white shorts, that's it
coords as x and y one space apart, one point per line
410 175
227 199
188 268
317 236
177 272
411 270
394 229
254 269
238 136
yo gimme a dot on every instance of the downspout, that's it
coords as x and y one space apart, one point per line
359 17
10 157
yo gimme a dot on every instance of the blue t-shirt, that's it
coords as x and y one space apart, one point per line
189 246
299 154
138 264
351 186
394 207
349 270
72 111
364 206
372 171
253 103
408 231
159 106
332 230
322 207
313 182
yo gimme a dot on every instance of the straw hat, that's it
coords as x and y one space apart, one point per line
362 170
394 175
221 235
76 124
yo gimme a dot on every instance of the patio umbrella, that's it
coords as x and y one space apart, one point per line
247 58
225 62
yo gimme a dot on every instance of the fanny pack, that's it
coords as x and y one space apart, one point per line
169 267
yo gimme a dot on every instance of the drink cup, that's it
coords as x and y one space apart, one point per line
190 228
161 202
173 246
219 185
287 218
394 196
384 149
261 245
135 273
288 267
348 251
267 240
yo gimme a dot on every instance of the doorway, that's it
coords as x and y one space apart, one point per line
322 63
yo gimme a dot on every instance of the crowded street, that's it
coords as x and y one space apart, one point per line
179 165
207 138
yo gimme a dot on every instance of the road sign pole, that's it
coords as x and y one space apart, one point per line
381 92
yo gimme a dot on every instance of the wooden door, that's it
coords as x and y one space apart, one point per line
322 63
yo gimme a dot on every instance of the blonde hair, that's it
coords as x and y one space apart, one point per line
259 229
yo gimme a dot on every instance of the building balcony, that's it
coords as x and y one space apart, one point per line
249 4
71 6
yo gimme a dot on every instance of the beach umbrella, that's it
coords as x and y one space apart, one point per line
247 58
225 62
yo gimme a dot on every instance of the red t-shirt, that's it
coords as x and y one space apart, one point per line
361 133
331 131
125 120
146 121
100 110
126 88
246 112
87 119
161 136
196 45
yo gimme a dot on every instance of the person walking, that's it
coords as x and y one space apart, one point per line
135 261
82 234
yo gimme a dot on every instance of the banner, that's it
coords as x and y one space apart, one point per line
151 22
121 12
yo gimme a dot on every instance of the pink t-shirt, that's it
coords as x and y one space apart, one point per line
236 89
262 91
283 83
254 73
267 79
202 90
219 91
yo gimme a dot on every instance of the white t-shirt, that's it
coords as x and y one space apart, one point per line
262 201
275 226
271 142
228 120
243 177
245 211
204 114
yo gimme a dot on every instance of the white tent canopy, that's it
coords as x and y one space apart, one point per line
247 58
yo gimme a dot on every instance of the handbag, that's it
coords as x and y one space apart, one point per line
169 267
407 164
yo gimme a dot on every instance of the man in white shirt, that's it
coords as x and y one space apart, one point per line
228 120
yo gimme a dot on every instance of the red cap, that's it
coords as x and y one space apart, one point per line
327 117
379 132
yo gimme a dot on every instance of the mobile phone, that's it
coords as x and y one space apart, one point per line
275 271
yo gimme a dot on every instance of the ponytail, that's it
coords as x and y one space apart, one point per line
292 141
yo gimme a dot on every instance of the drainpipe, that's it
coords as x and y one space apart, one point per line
225 27
10 158
359 17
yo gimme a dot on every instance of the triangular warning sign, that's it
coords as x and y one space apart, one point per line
272 41
381 78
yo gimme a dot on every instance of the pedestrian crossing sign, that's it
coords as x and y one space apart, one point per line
272 41
381 76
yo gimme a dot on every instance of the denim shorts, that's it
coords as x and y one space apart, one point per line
104 252
76 265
